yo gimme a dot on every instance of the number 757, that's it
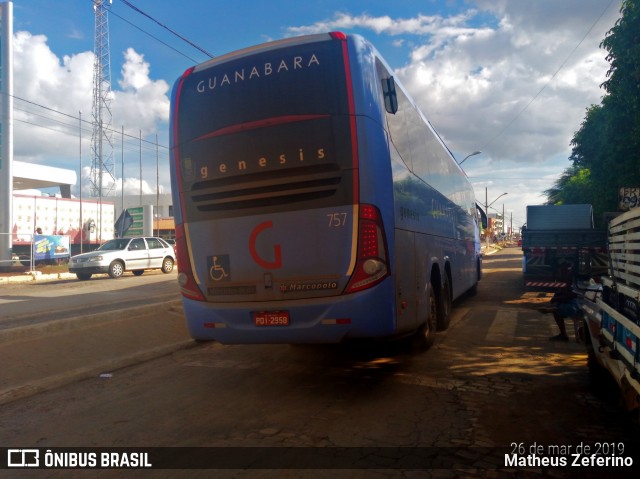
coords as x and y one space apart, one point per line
337 220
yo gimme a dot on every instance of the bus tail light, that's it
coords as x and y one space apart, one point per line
372 264
187 282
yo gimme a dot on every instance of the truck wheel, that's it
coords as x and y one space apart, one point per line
116 269
444 305
597 373
635 417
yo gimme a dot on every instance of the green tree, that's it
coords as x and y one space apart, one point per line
572 187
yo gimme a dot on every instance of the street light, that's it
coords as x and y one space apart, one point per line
489 204
472 154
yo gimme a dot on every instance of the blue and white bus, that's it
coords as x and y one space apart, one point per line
314 201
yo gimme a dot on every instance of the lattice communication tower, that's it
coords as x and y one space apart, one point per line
103 179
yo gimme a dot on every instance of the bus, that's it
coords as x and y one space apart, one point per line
315 203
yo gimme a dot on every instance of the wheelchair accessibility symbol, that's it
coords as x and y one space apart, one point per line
219 267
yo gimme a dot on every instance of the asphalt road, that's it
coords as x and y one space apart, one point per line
491 383
41 301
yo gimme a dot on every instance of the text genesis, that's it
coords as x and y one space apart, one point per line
261 163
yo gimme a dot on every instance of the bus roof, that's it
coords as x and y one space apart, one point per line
274 45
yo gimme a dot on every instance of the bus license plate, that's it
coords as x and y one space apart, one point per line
271 318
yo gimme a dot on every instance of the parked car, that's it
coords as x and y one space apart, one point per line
171 242
124 254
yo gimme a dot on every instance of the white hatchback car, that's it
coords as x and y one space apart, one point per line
124 254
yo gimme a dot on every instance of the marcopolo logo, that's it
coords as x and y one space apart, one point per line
308 286
23 458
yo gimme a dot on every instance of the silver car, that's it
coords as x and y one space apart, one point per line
124 254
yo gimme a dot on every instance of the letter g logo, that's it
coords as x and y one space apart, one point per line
277 251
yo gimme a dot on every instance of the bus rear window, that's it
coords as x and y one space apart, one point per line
269 130
307 79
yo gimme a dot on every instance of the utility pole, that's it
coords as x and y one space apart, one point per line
102 167
6 133
511 225
486 212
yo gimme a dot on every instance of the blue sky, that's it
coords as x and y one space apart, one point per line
509 77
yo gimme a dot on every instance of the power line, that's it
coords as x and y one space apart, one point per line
149 145
491 177
535 97
154 37
133 7
148 150
117 133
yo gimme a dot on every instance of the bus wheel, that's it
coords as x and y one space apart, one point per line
444 305
427 333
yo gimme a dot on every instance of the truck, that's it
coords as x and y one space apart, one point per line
558 234
611 313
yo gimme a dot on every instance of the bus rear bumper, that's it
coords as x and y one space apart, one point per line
367 314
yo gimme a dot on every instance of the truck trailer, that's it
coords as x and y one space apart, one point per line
559 234
612 314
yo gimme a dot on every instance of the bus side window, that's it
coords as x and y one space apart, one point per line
390 97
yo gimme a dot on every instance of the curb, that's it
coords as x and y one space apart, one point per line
35 276
77 322
35 387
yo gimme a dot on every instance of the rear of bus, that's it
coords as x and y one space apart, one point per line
273 244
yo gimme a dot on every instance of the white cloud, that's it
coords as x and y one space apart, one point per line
141 102
131 186
485 79
474 73
135 71
46 127
41 78
420 25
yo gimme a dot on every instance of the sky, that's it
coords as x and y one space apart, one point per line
509 78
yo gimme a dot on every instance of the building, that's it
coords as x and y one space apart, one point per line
156 213
496 224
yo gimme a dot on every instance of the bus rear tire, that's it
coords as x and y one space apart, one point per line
444 305
426 334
